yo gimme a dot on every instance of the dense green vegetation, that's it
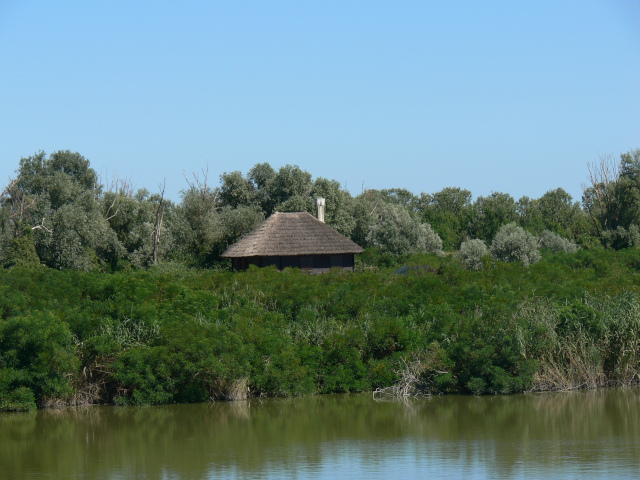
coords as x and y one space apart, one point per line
57 213
111 295
172 334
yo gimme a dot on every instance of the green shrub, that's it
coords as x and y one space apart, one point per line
514 244
472 252
397 232
555 243
37 353
21 399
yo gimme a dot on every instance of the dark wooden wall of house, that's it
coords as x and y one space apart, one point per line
312 263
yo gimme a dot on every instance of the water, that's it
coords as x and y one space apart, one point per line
593 434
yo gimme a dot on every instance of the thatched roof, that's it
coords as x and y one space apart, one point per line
296 233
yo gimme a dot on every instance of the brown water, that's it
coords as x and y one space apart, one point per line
593 434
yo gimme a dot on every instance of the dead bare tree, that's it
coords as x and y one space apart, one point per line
157 229
6 193
121 186
599 195
415 377
198 184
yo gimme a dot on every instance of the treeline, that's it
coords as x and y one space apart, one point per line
56 213
173 334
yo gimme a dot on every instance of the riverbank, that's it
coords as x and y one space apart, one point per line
177 335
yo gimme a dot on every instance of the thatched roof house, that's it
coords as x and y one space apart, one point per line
293 240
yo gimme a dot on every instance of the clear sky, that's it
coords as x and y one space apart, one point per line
510 96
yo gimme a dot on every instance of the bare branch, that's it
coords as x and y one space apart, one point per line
37 227
197 183
157 230
6 193
120 186
598 196
110 207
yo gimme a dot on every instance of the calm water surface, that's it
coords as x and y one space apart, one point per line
594 434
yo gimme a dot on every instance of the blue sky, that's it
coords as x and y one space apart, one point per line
511 96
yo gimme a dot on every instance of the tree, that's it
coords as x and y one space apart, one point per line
296 203
339 204
555 243
157 226
397 232
514 244
195 230
290 181
21 251
235 190
59 199
449 212
401 196
490 213
472 252
529 215
612 198
560 214
260 176
61 177
81 237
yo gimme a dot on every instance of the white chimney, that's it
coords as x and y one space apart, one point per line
320 209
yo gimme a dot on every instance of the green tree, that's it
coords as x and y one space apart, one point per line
339 205
235 190
529 214
290 181
397 232
60 200
559 212
491 213
22 252
449 212
260 176
196 230
81 237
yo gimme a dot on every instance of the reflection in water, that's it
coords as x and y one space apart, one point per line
593 433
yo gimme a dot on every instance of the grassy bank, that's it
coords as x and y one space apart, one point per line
173 334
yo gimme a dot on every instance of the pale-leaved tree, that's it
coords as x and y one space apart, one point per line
514 244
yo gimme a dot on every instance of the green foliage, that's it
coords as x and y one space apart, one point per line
296 203
621 237
172 334
490 214
19 400
82 237
169 333
449 212
289 181
514 244
339 205
235 190
22 252
36 359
